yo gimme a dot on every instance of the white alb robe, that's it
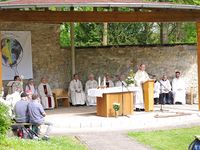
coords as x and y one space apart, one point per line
140 78
47 99
90 84
178 88
77 96
156 89
119 83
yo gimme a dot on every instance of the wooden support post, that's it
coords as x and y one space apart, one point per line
198 60
72 47
105 34
0 67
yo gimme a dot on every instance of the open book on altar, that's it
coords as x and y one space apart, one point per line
100 92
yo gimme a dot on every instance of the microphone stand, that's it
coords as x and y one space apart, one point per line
123 85
161 107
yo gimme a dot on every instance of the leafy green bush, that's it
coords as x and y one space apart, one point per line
5 120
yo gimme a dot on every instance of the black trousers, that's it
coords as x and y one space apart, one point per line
165 98
156 100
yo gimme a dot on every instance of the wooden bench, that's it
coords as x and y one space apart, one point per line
61 94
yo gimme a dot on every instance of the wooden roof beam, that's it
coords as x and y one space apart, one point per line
98 16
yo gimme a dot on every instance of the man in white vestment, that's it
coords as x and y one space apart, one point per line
178 88
45 93
77 96
156 91
140 77
120 81
90 84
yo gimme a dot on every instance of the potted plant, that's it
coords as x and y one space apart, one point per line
116 107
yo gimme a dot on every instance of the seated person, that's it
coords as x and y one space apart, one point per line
45 93
178 87
17 85
31 86
165 88
156 90
77 96
91 83
120 81
37 114
108 81
21 109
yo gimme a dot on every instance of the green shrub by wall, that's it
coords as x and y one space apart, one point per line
5 120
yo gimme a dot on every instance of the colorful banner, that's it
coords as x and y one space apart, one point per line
16 54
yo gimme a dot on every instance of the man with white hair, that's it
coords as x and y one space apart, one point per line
90 84
77 96
45 93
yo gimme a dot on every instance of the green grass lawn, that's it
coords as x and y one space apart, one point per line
176 139
55 143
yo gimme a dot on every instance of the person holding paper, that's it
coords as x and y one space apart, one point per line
140 77
90 84
17 85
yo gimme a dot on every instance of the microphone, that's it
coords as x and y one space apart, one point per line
150 74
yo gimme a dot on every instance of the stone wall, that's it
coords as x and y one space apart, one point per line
159 60
52 61
48 59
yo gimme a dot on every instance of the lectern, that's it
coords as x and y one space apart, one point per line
148 90
105 104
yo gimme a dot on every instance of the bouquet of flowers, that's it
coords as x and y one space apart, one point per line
130 78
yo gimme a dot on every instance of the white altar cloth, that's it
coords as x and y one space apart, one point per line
100 92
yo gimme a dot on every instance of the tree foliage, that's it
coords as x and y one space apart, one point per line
91 34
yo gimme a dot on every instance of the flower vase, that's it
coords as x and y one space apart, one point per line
116 114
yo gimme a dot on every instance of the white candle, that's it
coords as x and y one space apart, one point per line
104 81
99 81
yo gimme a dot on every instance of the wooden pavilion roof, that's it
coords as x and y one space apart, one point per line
15 10
92 3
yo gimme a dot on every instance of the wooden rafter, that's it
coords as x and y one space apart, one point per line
98 16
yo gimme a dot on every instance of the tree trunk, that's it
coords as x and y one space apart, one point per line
164 33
